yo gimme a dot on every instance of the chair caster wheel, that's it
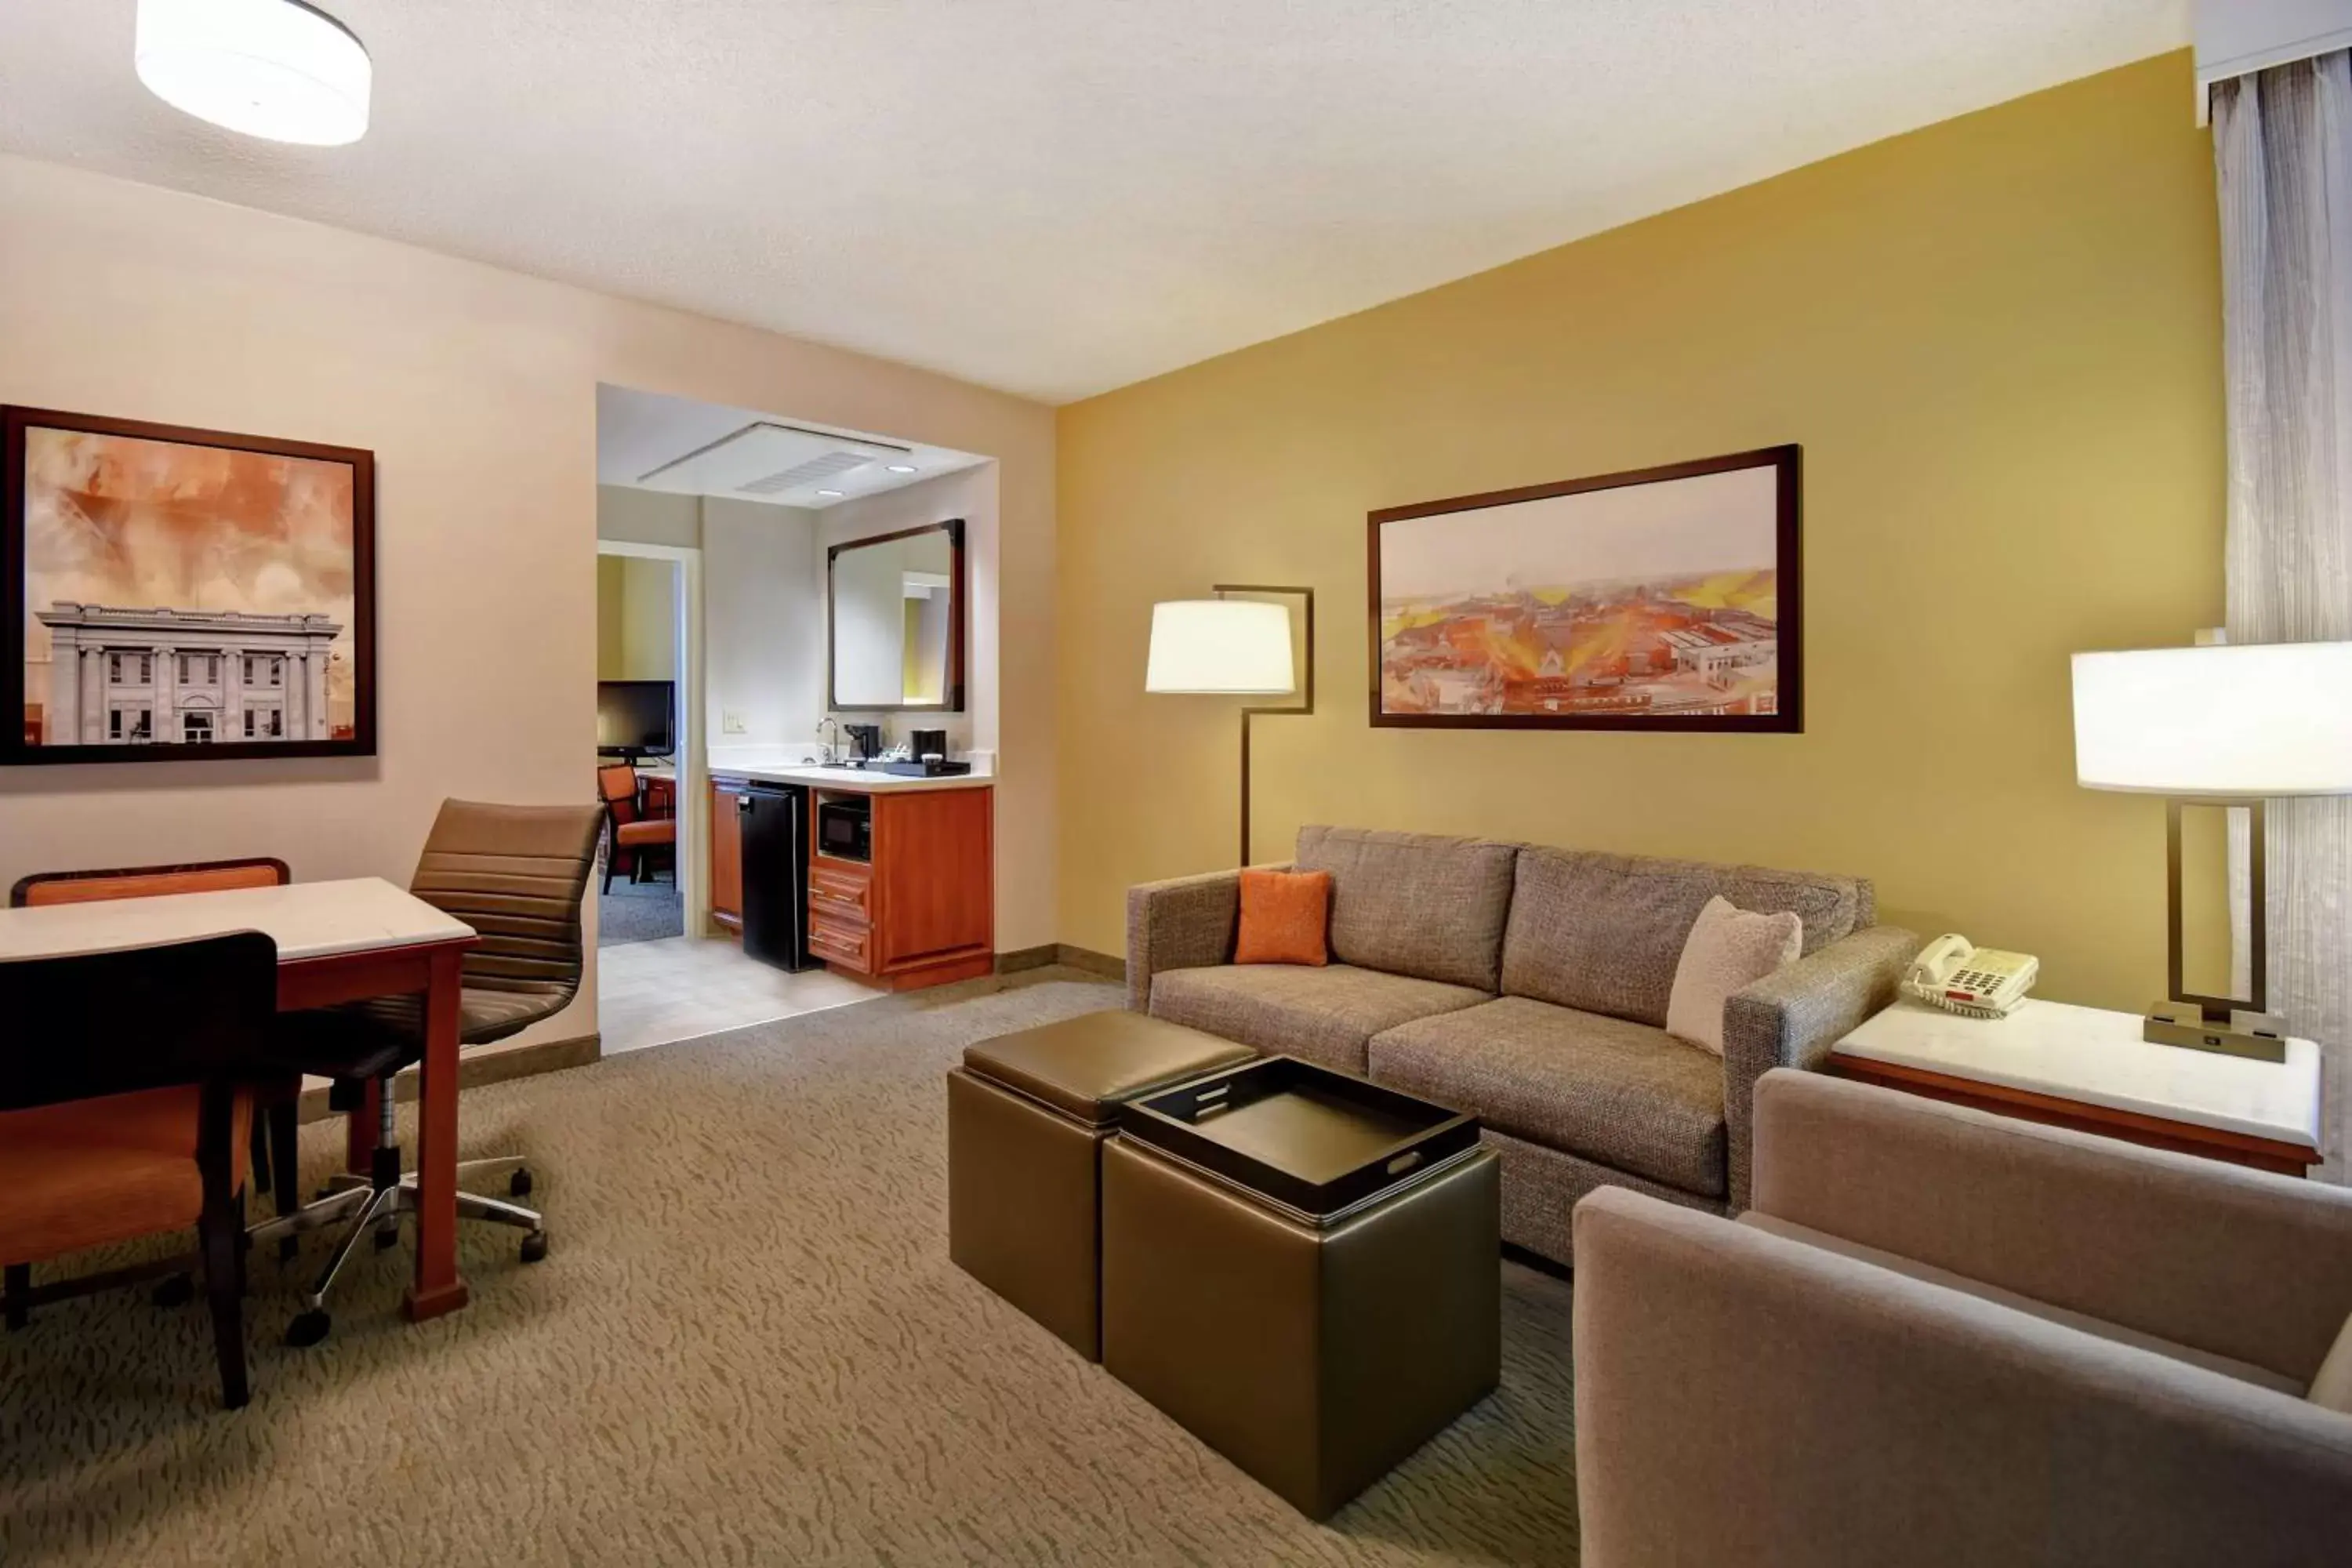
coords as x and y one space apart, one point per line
387 1236
307 1328
288 1248
518 1185
176 1292
534 1247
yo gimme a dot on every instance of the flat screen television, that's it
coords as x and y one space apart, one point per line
633 718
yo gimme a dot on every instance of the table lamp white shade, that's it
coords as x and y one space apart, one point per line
280 69
2249 720
1233 647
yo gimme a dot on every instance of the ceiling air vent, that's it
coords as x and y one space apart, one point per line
768 460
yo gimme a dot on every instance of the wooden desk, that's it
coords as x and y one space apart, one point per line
2088 1068
337 942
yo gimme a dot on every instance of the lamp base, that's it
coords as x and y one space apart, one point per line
2259 1036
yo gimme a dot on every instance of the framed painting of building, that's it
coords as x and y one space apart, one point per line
183 593
1666 598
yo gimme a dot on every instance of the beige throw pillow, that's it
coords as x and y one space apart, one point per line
1728 949
2332 1389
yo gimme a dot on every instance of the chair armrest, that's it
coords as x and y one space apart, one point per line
1189 922
2237 1262
1792 1017
1741 1397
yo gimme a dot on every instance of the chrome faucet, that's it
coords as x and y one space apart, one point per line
833 743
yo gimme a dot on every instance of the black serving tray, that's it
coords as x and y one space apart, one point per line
1317 1142
929 768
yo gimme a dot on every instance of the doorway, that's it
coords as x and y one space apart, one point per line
648 680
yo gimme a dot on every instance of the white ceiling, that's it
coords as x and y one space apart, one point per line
1056 196
648 440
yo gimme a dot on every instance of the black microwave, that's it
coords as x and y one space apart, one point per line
845 826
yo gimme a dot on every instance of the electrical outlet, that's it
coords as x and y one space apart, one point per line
730 722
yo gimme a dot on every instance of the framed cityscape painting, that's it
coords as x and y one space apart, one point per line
183 593
1664 599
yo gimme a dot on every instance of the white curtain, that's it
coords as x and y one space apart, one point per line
2282 142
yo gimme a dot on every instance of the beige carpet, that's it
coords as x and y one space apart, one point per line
747 1347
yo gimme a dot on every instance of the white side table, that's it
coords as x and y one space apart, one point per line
2087 1069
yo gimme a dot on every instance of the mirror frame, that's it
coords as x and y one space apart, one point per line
958 619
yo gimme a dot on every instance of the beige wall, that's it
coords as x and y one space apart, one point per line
636 618
1997 339
762 622
476 388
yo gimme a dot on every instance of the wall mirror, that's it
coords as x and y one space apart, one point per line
896 605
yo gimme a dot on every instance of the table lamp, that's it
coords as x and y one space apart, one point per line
1230 647
2226 726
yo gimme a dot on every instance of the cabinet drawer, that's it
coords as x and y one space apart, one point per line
836 885
846 945
824 909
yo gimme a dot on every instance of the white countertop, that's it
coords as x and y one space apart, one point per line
2096 1056
307 919
873 780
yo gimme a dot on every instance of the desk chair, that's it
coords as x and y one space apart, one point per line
122 1114
275 1146
630 828
516 874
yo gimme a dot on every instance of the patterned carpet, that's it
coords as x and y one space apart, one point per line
747 1347
639 912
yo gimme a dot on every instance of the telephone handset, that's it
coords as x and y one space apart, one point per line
1974 981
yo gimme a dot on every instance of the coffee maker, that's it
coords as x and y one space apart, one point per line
865 742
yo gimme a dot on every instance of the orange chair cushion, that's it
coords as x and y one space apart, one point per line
94 1172
148 884
618 786
664 831
1286 918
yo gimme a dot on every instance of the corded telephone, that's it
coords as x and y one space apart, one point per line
1975 981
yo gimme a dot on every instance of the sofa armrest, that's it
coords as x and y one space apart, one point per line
1189 922
1792 1017
2236 1262
1742 1397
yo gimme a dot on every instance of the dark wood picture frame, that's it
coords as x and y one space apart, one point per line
959 617
1789 615
15 751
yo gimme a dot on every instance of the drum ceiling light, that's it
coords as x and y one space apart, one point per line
273 68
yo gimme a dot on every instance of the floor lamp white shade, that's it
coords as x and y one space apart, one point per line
1229 646
280 70
2246 722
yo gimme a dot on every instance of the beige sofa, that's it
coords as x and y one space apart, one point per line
1944 1338
1530 986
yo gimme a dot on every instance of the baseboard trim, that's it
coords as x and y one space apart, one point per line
1027 958
1094 963
486 1066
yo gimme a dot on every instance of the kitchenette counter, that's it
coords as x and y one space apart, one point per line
873 780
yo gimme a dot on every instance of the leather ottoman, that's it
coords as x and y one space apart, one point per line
1027 1116
1315 1352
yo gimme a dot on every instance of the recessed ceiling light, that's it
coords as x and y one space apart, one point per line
835 494
280 70
902 467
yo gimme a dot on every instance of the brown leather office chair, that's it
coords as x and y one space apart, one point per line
516 874
122 1114
276 1150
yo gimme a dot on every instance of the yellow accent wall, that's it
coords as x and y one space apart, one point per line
1997 339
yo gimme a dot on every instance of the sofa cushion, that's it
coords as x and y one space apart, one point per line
1322 1015
1624 1094
1604 933
1414 903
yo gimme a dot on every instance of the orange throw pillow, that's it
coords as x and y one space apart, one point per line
1286 918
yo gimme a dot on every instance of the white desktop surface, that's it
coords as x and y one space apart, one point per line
2096 1056
307 919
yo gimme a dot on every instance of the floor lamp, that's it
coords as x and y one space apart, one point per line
1232 647
2226 725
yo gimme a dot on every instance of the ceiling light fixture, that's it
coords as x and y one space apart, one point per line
902 467
278 69
835 494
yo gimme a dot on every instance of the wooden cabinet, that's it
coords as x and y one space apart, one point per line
922 911
726 854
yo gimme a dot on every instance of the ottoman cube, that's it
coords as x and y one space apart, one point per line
1027 1115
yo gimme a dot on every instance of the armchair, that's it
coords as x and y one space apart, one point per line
1944 1338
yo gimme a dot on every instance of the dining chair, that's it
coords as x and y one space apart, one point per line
629 827
276 1149
123 1113
517 875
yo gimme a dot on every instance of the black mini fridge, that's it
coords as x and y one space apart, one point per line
775 819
